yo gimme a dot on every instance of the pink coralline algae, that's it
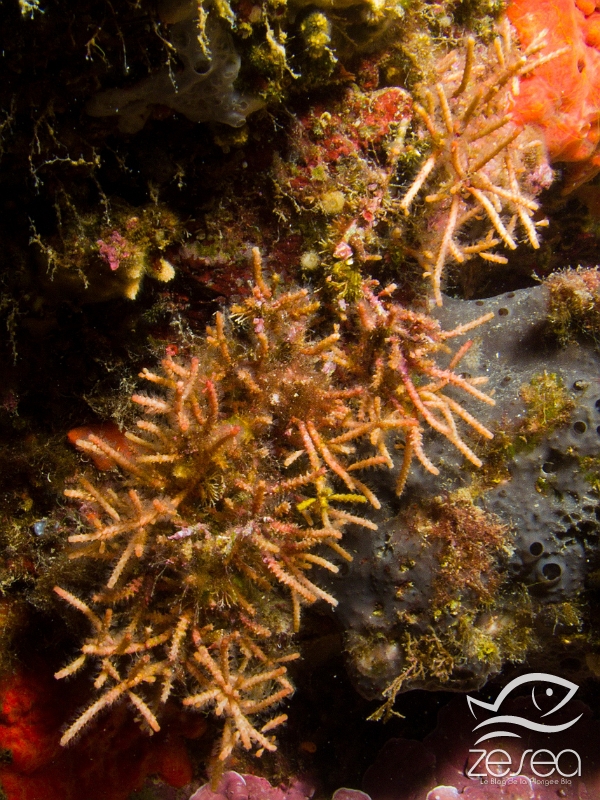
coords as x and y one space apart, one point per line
517 788
233 786
436 769
114 251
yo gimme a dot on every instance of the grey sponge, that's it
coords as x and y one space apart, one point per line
203 91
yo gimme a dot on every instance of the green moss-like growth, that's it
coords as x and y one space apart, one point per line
590 467
487 639
315 30
575 304
345 280
476 619
468 542
549 405
425 657
479 16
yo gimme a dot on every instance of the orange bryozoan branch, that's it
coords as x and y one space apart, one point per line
234 490
484 170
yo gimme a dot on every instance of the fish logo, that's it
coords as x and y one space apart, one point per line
507 719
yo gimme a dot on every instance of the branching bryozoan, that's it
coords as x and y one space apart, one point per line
235 488
480 177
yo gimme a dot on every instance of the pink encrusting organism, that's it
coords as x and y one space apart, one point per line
234 786
114 251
